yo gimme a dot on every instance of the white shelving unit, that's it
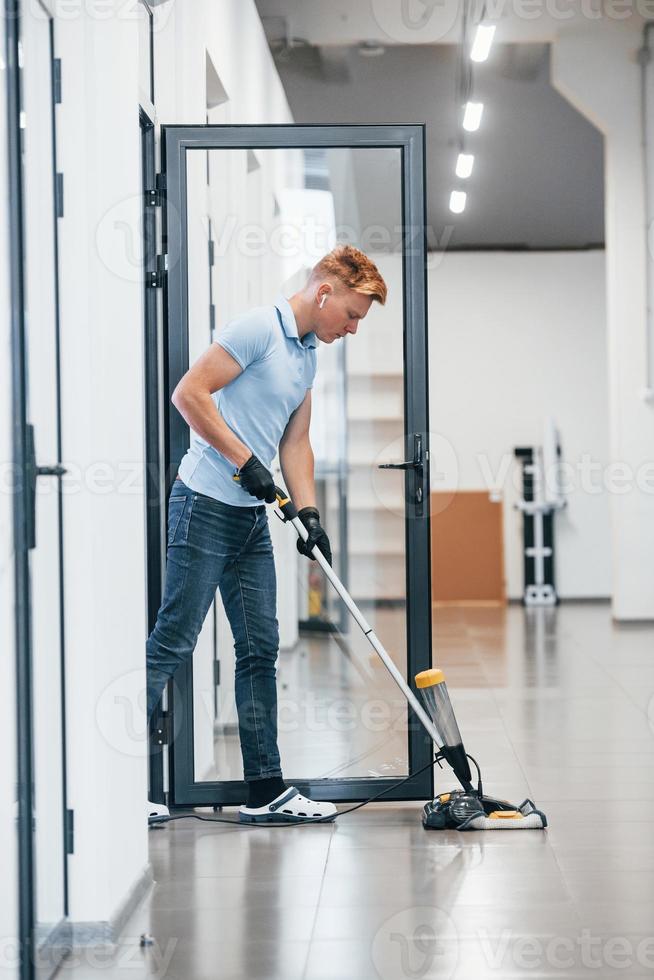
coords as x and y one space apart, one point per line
375 434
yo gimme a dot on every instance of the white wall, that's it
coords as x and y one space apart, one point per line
102 380
514 337
232 34
103 449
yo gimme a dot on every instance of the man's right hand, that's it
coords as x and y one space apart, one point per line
257 480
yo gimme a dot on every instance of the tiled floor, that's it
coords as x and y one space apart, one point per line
555 704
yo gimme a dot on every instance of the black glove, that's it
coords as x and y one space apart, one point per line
317 535
257 480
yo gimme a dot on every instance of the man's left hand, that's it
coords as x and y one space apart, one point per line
317 535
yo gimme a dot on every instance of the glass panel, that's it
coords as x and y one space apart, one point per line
43 412
273 213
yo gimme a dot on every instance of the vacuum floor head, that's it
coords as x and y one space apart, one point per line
459 810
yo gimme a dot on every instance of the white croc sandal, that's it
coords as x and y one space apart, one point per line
289 807
157 812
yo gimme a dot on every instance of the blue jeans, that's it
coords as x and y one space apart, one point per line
212 545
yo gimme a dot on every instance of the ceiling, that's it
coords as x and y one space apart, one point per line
538 178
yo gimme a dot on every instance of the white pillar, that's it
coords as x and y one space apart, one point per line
103 446
598 72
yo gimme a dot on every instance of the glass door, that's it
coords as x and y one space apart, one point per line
278 199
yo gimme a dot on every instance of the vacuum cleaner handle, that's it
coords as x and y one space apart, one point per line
289 512
288 508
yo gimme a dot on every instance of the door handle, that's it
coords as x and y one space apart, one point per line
408 464
417 465
34 471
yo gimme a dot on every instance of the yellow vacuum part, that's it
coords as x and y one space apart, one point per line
281 501
505 814
428 678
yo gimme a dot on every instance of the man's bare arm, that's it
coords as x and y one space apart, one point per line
296 456
192 398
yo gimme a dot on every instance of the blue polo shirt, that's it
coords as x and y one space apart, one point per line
278 368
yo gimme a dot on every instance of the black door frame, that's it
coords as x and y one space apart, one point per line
153 476
410 140
154 492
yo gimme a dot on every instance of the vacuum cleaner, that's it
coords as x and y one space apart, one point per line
468 808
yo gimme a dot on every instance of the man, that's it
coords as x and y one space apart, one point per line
246 397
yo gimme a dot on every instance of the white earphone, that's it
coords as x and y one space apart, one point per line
322 302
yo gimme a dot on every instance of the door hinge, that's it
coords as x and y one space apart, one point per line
70 831
162 729
212 318
59 195
154 196
216 673
212 260
56 80
156 278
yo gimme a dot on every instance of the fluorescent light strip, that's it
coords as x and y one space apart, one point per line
464 165
481 44
472 116
457 201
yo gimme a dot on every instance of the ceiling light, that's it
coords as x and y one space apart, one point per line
472 115
457 201
464 164
482 42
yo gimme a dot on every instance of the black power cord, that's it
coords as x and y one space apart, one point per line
480 790
155 821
